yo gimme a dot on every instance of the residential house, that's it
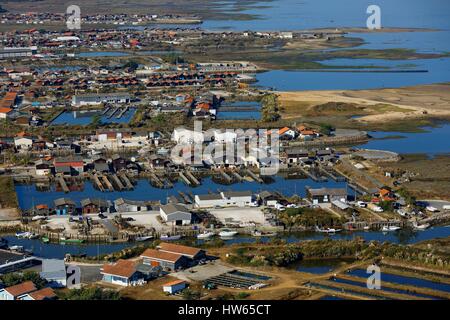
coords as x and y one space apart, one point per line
175 286
176 214
14 292
122 272
296 155
43 294
23 142
124 205
118 163
268 199
326 195
286 133
186 251
6 113
166 260
94 205
43 167
64 206
74 164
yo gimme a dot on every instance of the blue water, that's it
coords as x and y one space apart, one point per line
361 284
82 118
240 115
388 277
433 141
58 251
27 194
94 54
307 14
294 80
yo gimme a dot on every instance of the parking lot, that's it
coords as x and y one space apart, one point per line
240 215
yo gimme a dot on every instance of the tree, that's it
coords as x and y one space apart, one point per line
269 109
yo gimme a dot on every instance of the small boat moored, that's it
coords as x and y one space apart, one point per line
227 233
167 237
205 235
390 228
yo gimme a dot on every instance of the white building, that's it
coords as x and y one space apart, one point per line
185 136
224 199
5 113
176 214
23 142
174 286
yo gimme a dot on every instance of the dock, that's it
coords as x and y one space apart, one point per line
63 183
186 199
254 176
126 180
237 176
117 183
227 178
105 111
313 176
155 180
332 174
185 179
122 112
113 112
193 179
107 183
97 182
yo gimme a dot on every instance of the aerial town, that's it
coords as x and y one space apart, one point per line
210 154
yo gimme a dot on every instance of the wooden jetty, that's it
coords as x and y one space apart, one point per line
192 178
312 176
126 180
154 180
107 183
105 111
254 176
185 179
185 197
117 183
113 112
63 183
237 176
97 182
227 178
122 112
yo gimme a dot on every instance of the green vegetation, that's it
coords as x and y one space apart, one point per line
269 108
89 294
308 218
11 279
284 254
8 197
189 294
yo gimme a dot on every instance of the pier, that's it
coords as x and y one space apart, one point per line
107 183
62 183
126 180
122 112
193 179
237 176
97 182
185 179
254 176
155 180
116 181
227 178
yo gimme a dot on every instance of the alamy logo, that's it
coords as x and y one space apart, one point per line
374 20
73 17
73 276
374 280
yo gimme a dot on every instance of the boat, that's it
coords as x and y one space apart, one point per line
205 235
16 248
227 233
257 233
45 239
144 238
167 237
390 228
23 234
421 226
328 230
33 235
366 228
